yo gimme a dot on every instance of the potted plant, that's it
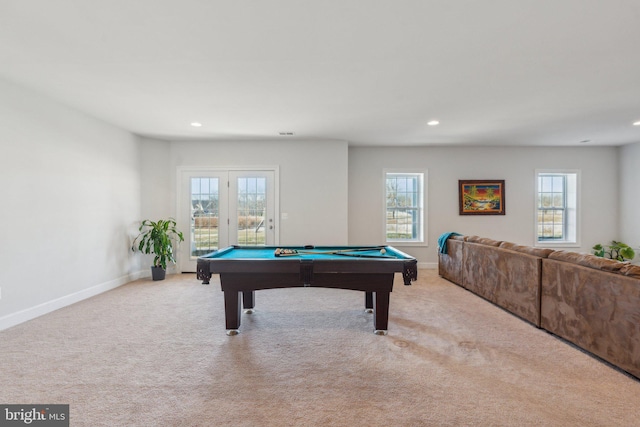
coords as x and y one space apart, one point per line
616 250
156 237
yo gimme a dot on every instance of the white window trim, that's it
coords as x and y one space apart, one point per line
562 243
425 185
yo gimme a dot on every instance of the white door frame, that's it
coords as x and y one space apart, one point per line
183 211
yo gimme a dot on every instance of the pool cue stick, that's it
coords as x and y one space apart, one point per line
365 256
345 252
333 252
339 254
373 248
336 251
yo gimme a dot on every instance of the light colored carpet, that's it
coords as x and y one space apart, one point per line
156 354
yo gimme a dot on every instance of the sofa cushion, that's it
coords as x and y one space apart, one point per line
539 252
588 260
631 270
483 241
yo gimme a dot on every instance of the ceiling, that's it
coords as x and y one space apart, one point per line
371 72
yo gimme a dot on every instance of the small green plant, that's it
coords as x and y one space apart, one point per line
616 250
156 237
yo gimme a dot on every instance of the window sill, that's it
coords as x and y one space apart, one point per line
552 245
401 243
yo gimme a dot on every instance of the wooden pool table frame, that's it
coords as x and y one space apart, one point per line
373 276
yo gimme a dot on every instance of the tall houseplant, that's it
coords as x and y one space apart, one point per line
156 237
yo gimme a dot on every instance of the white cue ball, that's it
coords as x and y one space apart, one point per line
383 251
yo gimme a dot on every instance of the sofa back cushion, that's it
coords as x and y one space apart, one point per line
588 260
539 252
631 271
483 241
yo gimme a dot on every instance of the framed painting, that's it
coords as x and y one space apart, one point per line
481 197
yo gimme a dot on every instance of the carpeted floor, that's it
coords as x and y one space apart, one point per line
156 354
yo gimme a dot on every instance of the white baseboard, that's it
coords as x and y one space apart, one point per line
27 314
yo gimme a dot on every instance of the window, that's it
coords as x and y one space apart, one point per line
404 207
557 207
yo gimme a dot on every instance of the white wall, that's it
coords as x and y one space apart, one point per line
70 199
516 165
156 200
630 196
313 181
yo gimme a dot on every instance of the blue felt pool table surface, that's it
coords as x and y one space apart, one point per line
268 252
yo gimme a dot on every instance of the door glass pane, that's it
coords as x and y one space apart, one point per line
205 204
251 210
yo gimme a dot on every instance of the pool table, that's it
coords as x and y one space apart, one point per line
246 269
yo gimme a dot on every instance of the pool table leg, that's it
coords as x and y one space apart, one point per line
381 313
248 301
368 302
232 311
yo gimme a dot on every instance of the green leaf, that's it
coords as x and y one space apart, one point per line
627 252
598 250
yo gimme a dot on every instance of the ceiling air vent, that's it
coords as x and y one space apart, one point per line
286 133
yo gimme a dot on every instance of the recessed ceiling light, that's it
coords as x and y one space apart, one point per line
433 122
196 124
636 123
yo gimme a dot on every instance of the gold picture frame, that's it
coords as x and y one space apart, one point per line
481 197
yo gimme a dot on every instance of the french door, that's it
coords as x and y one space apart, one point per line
218 208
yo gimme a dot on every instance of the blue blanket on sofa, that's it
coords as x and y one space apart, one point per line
442 241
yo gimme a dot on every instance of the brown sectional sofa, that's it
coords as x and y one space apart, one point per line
589 301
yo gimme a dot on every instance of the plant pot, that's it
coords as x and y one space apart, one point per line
158 273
